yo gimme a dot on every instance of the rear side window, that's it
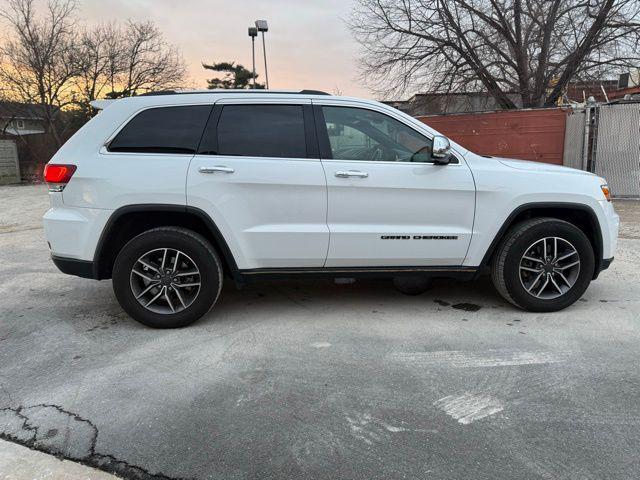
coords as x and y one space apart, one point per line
262 131
163 130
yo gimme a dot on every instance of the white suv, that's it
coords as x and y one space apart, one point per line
168 193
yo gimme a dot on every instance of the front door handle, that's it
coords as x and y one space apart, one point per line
216 168
351 173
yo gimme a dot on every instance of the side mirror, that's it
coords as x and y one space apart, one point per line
441 152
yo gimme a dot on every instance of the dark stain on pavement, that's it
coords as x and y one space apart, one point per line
467 307
105 324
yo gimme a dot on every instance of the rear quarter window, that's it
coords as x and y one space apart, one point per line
163 130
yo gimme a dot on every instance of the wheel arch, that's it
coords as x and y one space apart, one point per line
580 215
129 221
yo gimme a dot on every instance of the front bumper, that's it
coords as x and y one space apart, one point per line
72 266
602 265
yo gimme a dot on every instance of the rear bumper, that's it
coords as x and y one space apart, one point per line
74 232
72 266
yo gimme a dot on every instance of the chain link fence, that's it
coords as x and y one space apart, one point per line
605 140
574 139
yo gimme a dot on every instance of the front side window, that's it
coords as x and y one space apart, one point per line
163 130
360 134
262 131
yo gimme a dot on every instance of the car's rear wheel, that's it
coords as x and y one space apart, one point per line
543 265
167 277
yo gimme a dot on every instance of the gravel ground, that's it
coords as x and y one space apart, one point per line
317 380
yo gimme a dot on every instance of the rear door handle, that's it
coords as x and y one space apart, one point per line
351 173
216 168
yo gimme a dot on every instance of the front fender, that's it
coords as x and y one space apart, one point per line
503 194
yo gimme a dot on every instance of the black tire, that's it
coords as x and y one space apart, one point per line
198 250
412 285
505 268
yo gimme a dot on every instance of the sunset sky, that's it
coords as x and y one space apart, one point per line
308 43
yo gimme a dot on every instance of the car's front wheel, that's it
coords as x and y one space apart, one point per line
167 277
543 265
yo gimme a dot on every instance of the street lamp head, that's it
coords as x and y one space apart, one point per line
253 32
262 26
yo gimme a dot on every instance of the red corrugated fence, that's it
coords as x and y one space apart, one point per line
525 134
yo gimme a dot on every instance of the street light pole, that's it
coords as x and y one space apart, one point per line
264 50
253 33
262 27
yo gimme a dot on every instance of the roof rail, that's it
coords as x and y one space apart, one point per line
257 90
313 92
159 92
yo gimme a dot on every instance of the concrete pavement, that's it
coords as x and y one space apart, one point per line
21 463
322 381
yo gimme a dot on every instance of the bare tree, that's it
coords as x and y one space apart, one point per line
38 61
530 47
144 61
48 60
119 62
99 61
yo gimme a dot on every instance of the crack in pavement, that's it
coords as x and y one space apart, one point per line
38 427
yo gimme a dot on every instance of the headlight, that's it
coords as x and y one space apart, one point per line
606 192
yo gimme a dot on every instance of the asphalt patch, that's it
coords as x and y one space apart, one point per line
56 431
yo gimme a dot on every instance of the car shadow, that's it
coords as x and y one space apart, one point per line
319 295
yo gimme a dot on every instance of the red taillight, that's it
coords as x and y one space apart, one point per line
59 175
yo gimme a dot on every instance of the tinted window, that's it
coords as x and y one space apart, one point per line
262 131
360 134
163 130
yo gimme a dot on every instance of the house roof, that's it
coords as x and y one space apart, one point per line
23 111
625 91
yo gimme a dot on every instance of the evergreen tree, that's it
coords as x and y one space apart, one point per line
232 76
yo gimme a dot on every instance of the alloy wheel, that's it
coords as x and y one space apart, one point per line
549 268
165 280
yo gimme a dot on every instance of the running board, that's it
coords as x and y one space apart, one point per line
260 274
